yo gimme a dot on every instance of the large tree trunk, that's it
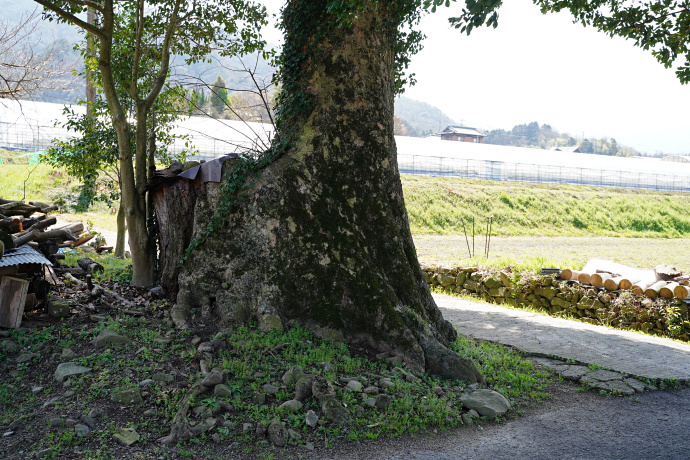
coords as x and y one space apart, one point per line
322 235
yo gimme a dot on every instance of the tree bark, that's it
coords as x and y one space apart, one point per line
121 229
322 235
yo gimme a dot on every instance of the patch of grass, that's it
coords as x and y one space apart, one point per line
531 254
506 370
114 269
439 205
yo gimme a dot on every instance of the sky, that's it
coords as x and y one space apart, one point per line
544 68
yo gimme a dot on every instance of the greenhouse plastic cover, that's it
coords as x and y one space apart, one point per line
218 137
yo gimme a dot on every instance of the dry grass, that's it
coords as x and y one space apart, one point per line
532 253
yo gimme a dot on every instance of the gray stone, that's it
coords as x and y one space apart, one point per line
247 427
270 389
67 353
487 402
222 391
620 387
312 419
150 413
26 357
290 406
411 378
162 377
45 453
36 390
386 384
88 421
277 434
56 421
635 384
108 337
215 437
145 383
7 434
95 413
127 397
371 390
65 370
309 446
58 308
9 345
126 436
371 402
293 435
322 390
51 401
68 393
268 323
466 420
354 386
383 401
574 372
303 387
334 410
81 430
213 378
603 375
260 430
259 398
292 376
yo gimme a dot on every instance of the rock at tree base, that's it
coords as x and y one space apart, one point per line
108 337
334 410
65 370
126 436
487 402
127 397
277 434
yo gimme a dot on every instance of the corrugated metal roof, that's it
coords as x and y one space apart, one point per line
23 255
464 130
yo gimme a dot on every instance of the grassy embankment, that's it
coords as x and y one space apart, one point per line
546 226
534 226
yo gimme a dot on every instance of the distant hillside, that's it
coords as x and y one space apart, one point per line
420 118
545 137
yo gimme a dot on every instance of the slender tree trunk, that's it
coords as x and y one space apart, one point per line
131 198
322 235
121 229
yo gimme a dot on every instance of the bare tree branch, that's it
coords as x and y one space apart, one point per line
24 71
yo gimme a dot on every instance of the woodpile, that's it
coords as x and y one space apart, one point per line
20 224
30 244
657 313
664 280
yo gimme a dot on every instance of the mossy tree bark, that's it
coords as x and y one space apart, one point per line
322 235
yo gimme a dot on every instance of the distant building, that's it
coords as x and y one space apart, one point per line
462 134
573 149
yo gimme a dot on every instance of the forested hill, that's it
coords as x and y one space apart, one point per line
419 118
545 137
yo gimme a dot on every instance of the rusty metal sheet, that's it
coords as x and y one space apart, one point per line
208 171
24 254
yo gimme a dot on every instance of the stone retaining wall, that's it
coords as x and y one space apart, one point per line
619 309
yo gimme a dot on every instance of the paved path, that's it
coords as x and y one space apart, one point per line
622 351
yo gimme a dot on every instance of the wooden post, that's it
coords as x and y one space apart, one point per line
12 299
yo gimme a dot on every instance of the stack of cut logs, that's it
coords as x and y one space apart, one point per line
20 225
664 281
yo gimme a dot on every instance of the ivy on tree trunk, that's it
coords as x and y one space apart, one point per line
321 234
